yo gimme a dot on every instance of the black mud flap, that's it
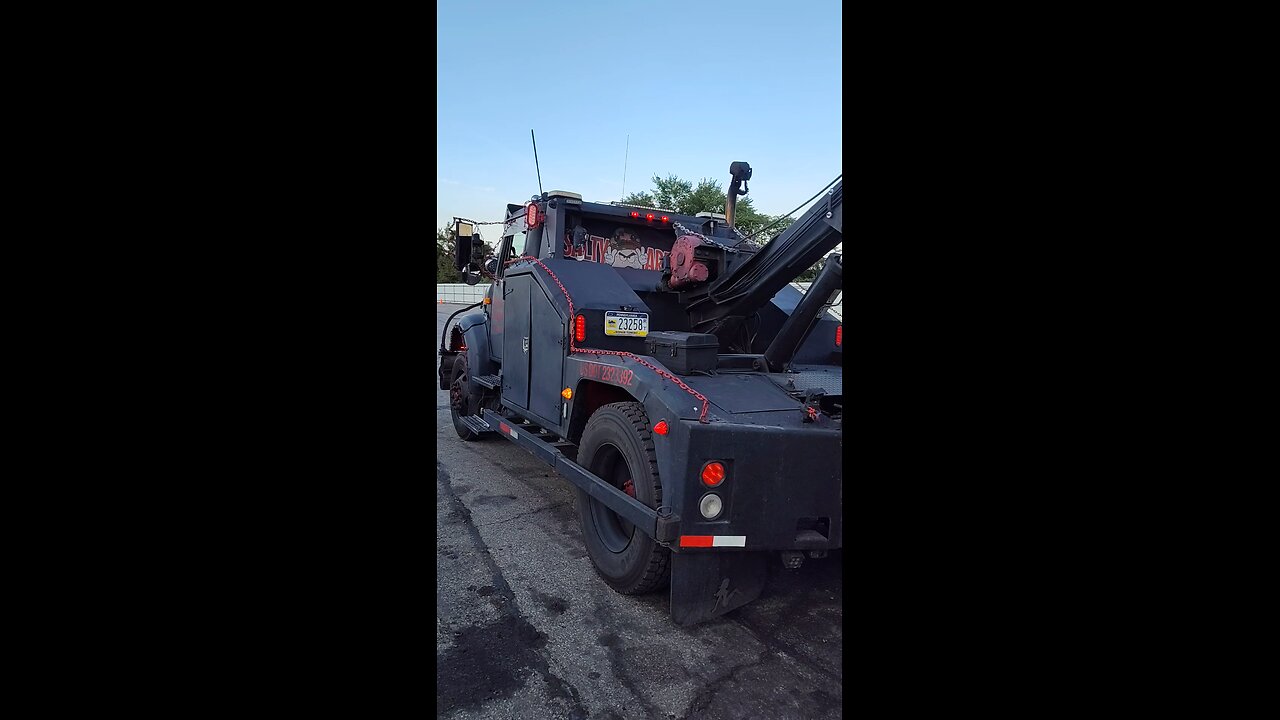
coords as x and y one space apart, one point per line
709 584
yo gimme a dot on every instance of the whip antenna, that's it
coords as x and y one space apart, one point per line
535 159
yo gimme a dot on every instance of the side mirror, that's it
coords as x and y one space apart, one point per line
470 278
462 232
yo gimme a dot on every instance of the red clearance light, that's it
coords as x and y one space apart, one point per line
661 428
635 214
532 217
579 328
839 331
665 218
712 474
649 216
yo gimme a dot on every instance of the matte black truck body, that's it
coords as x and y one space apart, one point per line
539 364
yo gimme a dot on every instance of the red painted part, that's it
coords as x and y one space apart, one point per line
573 348
696 540
685 270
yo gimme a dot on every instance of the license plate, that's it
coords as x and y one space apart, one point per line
626 323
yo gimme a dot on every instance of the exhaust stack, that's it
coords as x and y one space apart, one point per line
740 173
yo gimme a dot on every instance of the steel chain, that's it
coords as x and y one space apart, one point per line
573 347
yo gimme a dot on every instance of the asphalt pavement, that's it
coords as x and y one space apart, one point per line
526 629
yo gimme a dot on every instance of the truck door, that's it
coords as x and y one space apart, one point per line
548 343
516 340
511 245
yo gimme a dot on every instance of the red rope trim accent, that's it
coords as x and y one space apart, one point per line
573 347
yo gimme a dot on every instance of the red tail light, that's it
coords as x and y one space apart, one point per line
665 218
649 216
839 331
661 428
579 328
532 217
635 214
712 474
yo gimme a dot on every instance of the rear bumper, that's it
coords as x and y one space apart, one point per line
782 491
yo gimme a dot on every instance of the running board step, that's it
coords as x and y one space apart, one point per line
475 424
493 382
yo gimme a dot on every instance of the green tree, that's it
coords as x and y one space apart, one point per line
444 256
686 198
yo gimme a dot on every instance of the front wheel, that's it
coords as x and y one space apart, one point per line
463 400
617 445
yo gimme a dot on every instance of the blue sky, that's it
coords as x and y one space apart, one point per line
696 84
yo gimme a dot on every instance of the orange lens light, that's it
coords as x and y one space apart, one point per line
712 474
567 393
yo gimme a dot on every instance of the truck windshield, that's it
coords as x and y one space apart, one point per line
621 245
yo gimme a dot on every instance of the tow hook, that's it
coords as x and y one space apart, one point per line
792 559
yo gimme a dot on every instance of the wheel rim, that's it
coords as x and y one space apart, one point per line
614 532
457 397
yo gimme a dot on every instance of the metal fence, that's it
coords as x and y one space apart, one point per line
460 293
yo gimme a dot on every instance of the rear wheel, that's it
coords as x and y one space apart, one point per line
617 445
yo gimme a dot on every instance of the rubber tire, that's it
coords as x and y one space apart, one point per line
644 565
461 376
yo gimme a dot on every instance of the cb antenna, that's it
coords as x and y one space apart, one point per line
535 159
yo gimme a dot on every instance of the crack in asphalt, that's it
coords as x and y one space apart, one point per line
520 515
782 648
703 699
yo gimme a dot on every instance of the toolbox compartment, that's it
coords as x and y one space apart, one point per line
683 353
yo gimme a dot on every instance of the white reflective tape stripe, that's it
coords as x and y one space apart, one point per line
513 434
729 541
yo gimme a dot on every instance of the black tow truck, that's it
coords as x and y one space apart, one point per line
666 366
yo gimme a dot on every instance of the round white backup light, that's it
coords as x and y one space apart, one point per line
711 506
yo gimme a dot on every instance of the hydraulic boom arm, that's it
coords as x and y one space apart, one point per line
749 280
